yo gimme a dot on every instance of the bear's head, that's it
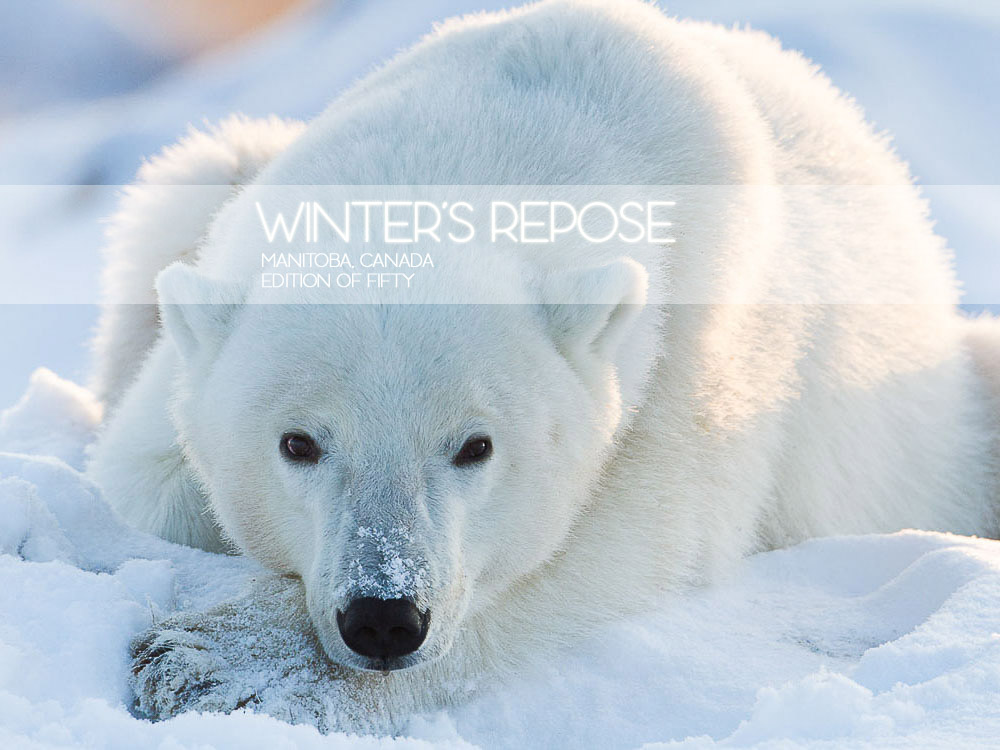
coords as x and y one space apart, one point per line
412 463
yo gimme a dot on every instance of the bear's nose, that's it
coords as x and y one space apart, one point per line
382 628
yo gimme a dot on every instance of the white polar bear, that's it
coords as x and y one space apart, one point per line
461 486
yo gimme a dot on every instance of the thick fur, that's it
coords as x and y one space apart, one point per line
809 374
162 218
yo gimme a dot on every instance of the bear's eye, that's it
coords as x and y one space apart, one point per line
476 449
296 446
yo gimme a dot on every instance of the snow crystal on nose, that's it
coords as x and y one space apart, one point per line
385 565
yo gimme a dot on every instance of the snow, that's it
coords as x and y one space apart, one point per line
850 642
398 574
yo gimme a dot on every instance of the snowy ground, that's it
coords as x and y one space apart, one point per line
873 641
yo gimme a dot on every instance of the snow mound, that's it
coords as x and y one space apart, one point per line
871 641
54 418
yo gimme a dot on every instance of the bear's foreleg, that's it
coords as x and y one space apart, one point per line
257 651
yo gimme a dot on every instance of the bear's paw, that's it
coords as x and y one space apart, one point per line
175 669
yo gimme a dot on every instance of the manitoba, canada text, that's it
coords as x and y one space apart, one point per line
377 273
421 221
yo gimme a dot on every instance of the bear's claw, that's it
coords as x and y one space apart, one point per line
256 652
174 672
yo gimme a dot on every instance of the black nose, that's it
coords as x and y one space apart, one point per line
382 628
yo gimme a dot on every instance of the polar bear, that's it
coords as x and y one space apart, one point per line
452 488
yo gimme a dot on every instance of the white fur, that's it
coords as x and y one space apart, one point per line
639 448
162 218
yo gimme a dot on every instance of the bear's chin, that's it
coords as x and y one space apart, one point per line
385 666
364 665
344 659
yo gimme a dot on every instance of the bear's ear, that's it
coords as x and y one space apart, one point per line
196 311
591 310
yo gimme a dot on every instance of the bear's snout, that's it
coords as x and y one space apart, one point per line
383 629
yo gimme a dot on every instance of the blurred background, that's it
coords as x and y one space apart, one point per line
90 87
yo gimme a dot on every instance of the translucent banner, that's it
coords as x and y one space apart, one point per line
492 244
